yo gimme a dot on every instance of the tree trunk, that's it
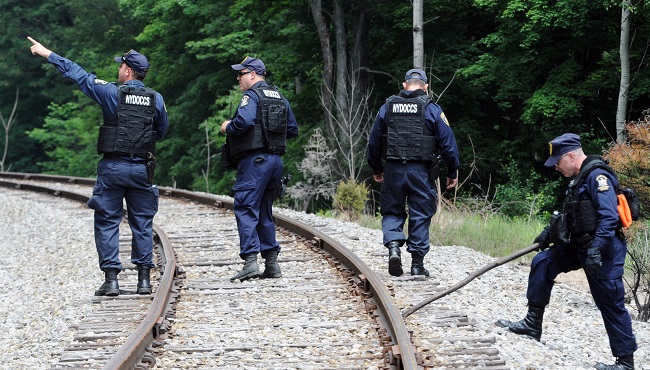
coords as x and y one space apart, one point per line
328 60
7 126
345 95
341 94
418 35
621 111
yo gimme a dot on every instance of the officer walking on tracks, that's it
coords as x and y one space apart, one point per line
134 118
586 234
256 140
407 140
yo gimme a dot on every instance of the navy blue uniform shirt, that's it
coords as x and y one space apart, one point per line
106 94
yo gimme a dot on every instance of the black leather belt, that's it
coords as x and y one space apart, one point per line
126 157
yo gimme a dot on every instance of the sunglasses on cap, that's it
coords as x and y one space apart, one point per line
126 55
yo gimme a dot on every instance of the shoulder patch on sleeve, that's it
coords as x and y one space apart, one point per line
100 82
444 118
602 182
244 101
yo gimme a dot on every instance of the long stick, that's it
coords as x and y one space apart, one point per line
471 277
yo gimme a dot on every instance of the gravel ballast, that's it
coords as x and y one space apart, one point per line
49 272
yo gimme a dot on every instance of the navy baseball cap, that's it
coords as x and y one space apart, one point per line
560 146
253 64
135 60
416 74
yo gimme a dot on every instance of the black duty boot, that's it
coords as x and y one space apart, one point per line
110 286
144 285
530 326
394 258
622 363
271 267
417 265
251 269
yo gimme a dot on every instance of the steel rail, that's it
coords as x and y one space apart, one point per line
402 353
133 350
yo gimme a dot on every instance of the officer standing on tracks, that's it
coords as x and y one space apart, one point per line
256 140
134 118
594 241
410 135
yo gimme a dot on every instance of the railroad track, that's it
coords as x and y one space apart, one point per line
330 310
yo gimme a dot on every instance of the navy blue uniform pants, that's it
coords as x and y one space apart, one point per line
258 175
606 288
118 180
407 184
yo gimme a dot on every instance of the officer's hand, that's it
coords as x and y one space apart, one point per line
594 260
38 49
224 125
544 239
451 183
379 177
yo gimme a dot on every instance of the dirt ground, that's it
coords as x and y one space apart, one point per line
574 279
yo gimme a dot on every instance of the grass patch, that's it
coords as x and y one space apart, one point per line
496 236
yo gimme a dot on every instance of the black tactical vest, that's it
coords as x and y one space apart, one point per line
582 216
270 131
407 137
130 130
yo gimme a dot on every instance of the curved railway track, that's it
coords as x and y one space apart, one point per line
196 318
393 347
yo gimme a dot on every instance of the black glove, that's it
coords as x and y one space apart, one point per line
544 239
594 260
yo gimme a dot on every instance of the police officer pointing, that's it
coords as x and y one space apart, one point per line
256 140
134 118
407 140
587 234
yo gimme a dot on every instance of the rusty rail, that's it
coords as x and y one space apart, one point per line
401 353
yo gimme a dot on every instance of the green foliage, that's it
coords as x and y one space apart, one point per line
510 75
350 198
546 68
520 197
70 143
557 99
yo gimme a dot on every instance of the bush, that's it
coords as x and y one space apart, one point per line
519 198
638 268
631 161
350 198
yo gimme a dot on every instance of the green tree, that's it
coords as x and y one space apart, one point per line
543 68
70 142
19 69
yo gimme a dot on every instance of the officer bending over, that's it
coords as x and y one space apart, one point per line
134 118
407 139
586 234
256 140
